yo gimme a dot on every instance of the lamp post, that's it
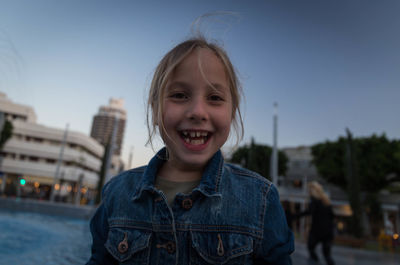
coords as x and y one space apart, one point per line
274 156
81 176
60 159
130 158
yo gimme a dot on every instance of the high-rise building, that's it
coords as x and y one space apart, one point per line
104 122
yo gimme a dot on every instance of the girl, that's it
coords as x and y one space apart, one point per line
188 206
322 226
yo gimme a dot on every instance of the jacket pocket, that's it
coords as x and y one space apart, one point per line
129 245
220 248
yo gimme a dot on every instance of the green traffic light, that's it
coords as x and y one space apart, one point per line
22 182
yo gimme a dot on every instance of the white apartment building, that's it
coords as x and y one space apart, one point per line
33 152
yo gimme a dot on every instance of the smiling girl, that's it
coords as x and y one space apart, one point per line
188 206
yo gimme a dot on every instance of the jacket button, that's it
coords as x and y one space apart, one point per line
187 204
171 247
122 247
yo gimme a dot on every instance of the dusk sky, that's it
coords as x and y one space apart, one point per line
328 64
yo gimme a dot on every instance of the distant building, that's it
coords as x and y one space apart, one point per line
13 111
32 154
104 121
293 190
299 166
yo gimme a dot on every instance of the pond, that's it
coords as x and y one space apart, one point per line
32 238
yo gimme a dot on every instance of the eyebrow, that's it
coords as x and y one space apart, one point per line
185 85
218 86
179 84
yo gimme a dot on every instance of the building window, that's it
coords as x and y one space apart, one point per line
50 161
17 136
33 158
53 142
37 140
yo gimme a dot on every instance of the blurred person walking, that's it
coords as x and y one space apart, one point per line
322 225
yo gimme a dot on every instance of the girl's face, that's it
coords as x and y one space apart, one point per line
197 110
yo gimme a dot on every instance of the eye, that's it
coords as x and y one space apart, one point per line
215 98
178 95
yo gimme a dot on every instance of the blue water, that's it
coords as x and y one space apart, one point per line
31 238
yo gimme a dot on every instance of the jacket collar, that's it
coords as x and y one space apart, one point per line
209 184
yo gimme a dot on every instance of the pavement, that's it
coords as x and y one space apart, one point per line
345 256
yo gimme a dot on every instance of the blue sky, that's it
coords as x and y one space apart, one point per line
328 64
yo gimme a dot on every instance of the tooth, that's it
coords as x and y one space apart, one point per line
192 134
204 134
197 142
198 134
184 133
187 140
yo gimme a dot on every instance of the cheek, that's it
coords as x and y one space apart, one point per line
225 121
167 116
170 120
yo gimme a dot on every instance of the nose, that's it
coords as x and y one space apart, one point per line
197 110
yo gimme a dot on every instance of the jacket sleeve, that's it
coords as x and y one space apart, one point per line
99 230
277 243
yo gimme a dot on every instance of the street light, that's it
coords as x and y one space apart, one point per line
274 157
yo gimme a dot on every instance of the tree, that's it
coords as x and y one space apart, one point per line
257 157
6 133
103 171
353 187
376 162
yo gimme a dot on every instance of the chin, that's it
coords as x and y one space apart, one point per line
195 161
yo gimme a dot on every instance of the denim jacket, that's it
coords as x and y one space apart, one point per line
234 216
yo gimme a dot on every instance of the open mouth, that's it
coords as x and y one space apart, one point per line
195 137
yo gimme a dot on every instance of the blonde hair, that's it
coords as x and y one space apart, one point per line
164 72
318 192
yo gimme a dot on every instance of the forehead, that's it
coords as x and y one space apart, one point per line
202 62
